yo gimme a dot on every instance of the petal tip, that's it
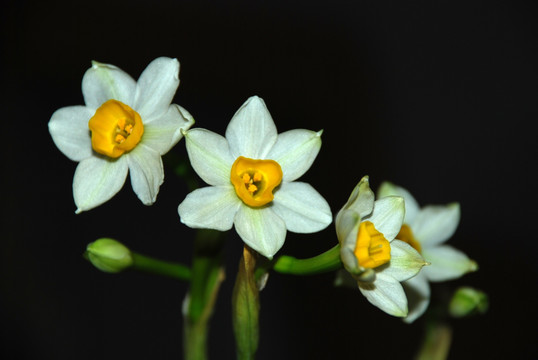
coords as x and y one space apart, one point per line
473 266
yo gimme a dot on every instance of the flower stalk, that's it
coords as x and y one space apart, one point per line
436 345
154 266
322 263
207 275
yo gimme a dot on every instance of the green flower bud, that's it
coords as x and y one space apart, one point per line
468 301
109 255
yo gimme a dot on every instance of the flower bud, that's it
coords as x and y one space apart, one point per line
109 255
468 301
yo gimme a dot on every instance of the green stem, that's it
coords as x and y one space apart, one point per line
207 275
159 267
325 262
436 345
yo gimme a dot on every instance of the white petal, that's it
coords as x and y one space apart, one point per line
349 260
165 132
251 132
387 294
156 88
361 199
97 180
261 229
346 222
411 205
405 262
301 207
447 263
103 82
209 156
388 216
295 151
212 207
69 129
435 224
417 290
187 115
147 173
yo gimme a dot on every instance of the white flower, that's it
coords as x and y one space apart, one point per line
126 126
252 173
426 230
366 229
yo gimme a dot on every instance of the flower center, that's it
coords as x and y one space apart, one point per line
116 128
255 180
406 235
372 249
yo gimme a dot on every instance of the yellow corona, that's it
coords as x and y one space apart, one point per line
116 128
255 180
371 249
406 235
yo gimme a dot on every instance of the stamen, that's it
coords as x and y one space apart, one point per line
375 249
246 178
252 188
119 138
257 177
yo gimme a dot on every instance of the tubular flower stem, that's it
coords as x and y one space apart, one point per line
325 262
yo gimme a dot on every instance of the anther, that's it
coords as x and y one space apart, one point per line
119 138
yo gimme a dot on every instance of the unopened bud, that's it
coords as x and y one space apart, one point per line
468 301
109 255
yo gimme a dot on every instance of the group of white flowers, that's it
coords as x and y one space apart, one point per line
126 126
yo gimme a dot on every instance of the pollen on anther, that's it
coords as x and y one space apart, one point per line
252 188
129 128
119 138
246 178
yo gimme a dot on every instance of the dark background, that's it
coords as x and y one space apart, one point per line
437 96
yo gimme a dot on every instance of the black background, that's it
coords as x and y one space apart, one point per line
437 96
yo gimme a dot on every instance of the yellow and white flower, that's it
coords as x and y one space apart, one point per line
366 229
125 126
426 229
252 173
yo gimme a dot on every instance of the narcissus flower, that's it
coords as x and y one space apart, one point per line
366 229
426 230
252 173
125 126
